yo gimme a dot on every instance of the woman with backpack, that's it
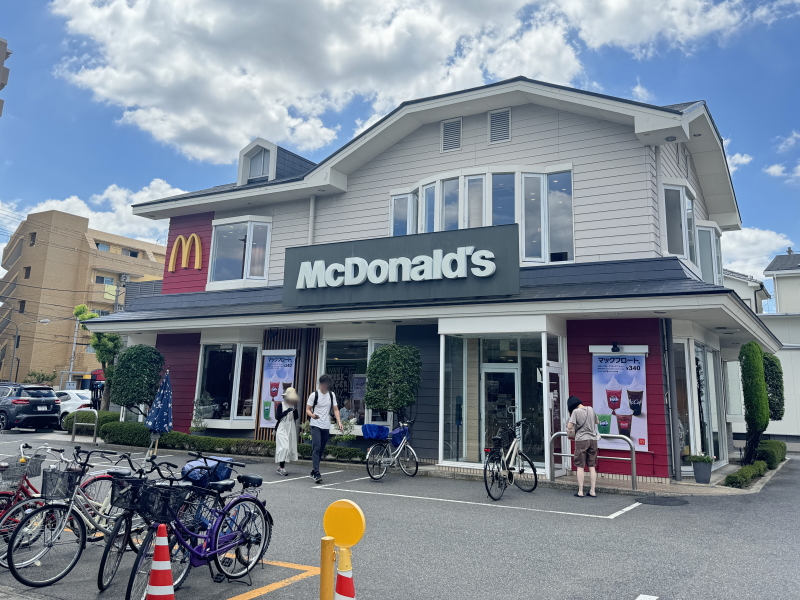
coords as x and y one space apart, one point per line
286 429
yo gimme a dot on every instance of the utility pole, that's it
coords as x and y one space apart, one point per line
74 348
123 279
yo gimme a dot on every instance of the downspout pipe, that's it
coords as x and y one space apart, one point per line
312 208
673 401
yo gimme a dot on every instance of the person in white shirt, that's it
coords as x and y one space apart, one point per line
321 406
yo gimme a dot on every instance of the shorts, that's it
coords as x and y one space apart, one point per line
585 453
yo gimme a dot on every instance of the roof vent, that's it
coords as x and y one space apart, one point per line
451 135
500 126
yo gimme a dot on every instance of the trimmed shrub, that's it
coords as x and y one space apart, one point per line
756 402
103 416
773 376
743 477
393 378
772 452
125 434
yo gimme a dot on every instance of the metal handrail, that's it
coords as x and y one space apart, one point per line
96 421
605 436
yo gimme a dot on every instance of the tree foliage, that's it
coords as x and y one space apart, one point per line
137 376
756 402
773 375
39 377
107 347
393 378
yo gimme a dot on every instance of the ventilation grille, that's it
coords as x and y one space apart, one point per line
451 135
500 126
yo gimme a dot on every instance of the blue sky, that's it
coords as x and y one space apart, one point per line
106 97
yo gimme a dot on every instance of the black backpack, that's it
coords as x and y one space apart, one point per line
333 399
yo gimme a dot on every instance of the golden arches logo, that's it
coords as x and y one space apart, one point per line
184 247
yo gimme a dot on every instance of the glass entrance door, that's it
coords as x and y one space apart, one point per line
555 404
500 407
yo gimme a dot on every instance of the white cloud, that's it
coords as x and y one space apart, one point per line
207 76
775 170
736 160
641 93
789 141
751 250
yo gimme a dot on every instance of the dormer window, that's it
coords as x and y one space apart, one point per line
259 164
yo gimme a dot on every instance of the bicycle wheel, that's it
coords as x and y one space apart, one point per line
180 560
377 459
8 523
525 477
6 501
493 476
140 573
408 461
98 492
46 545
116 543
246 525
139 528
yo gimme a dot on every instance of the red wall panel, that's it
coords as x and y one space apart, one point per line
189 279
580 334
182 354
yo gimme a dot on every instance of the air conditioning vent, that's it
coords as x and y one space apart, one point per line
500 126
451 135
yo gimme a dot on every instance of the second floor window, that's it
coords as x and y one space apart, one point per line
32 238
104 280
131 253
240 250
680 218
404 214
26 272
22 306
259 164
103 247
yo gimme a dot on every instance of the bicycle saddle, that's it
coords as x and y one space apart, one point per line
119 472
226 485
248 480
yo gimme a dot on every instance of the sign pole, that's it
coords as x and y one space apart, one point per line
326 568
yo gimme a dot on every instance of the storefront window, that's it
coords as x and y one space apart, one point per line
499 351
704 408
346 363
533 442
552 348
229 372
681 393
455 447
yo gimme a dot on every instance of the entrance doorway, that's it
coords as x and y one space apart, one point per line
500 406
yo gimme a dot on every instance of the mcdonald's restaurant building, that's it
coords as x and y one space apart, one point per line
532 241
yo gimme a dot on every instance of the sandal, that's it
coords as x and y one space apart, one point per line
579 496
592 495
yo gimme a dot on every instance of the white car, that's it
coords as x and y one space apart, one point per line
72 400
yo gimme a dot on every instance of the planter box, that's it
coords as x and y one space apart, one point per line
702 472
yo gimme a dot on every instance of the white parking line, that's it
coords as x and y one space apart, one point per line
343 482
296 478
556 512
643 597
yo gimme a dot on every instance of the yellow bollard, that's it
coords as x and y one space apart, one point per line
326 568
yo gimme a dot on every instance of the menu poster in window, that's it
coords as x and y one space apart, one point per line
278 375
342 376
619 399
355 407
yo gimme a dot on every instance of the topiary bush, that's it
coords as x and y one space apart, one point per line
393 378
103 417
125 434
756 402
137 375
743 477
773 376
771 452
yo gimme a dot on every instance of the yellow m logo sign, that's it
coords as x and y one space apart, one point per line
183 247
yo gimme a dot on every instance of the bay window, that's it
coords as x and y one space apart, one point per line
680 220
559 217
228 382
450 205
240 249
503 199
709 252
428 217
475 192
404 213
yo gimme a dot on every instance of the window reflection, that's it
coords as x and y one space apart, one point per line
503 199
559 215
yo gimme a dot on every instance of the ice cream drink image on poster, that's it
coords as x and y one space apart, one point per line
277 376
619 398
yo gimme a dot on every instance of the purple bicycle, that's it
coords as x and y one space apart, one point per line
207 525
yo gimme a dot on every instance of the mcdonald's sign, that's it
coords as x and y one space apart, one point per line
183 246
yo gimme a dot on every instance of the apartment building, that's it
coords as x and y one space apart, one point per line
534 241
5 53
55 262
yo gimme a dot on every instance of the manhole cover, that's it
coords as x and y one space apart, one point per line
662 501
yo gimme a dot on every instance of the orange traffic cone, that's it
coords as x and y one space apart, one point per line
160 586
345 588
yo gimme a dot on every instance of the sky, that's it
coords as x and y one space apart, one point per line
111 102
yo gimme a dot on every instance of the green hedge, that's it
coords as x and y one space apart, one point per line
743 477
771 452
136 434
105 416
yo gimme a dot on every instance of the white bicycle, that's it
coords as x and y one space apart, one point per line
381 457
506 463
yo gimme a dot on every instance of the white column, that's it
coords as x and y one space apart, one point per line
441 397
548 418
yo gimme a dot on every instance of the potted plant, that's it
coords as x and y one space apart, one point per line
346 435
701 463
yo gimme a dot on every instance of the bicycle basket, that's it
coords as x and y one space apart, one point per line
35 465
161 503
13 476
374 432
60 485
126 492
398 435
197 513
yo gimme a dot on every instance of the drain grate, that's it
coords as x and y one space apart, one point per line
662 501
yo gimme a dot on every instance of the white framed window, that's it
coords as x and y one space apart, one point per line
102 280
709 252
474 194
240 249
499 125
427 217
259 164
228 382
450 205
103 247
680 220
503 199
404 214
451 135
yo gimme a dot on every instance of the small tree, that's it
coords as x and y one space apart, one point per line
756 403
107 347
40 377
773 375
136 377
393 378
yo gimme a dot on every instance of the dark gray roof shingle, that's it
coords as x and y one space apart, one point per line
784 262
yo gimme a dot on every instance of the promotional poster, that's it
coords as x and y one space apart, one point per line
619 399
278 375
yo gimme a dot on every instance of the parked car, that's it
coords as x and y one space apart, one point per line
28 405
72 400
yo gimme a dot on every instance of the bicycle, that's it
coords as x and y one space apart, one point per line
48 542
506 463
380 456
204 527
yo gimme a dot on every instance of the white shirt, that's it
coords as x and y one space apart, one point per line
323 410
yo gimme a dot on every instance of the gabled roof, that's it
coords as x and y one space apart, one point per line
689 122
783 263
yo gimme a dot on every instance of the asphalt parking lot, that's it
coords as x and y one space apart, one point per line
441 538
